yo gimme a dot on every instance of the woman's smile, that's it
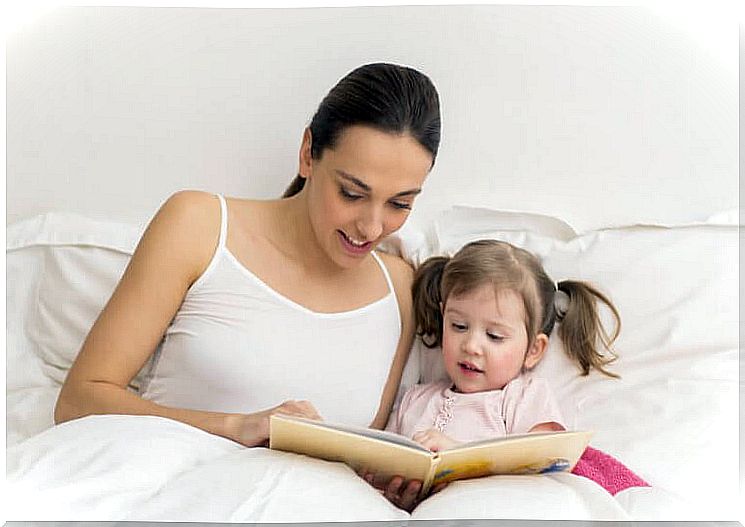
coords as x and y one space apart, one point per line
353 246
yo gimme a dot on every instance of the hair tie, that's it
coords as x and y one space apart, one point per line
561 303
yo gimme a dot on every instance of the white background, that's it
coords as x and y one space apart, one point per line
601 115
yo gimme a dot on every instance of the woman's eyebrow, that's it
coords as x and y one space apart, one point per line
350 178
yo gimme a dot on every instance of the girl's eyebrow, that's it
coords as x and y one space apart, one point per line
350 178
501 325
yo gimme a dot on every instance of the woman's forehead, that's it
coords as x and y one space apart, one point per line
380 159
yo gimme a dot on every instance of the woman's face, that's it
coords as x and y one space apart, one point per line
362 190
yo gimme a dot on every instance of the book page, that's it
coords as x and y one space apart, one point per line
347 444
503 439
525 454
381 435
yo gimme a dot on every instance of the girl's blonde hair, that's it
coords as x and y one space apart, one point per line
507 267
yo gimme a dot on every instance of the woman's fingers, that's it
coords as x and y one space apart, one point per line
298 409
308 410
403 496
410 494
391 491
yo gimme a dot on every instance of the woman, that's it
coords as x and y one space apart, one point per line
278 306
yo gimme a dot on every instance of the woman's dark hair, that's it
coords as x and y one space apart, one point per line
507 267
388 97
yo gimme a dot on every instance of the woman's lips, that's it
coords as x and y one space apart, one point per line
352 248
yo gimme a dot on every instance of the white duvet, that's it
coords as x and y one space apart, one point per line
150 468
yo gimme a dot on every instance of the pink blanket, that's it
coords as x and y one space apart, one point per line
606 471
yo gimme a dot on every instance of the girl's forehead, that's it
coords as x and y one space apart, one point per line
503 304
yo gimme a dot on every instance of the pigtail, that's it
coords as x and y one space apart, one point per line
581 328
426 297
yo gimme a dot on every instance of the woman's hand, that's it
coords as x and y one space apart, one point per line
434 440
403 494
253 429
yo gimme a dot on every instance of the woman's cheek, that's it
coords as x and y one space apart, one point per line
394 224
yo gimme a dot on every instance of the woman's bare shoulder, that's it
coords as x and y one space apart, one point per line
187 226
402 274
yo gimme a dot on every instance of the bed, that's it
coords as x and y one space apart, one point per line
612 218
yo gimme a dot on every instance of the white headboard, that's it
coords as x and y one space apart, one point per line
598 115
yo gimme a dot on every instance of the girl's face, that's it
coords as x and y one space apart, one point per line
484 340
362 190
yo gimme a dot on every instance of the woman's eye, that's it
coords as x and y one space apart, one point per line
349 195
401 205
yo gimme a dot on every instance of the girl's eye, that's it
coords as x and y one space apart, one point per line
348 195
496 338
458 327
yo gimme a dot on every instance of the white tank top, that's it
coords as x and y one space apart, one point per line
237 345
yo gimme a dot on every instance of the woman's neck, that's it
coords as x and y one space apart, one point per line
293 235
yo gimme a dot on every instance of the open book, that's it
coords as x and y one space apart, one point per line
389 454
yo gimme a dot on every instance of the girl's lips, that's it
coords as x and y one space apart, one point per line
469 369
355 250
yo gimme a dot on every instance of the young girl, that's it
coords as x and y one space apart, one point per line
492 307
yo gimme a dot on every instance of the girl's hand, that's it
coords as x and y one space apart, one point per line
547 427
434 440
253 429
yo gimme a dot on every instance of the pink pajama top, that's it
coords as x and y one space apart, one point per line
523 403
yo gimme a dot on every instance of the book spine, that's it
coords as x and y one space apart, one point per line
427 483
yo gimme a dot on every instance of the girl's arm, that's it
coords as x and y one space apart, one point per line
175 249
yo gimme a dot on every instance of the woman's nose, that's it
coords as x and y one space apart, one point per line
370 225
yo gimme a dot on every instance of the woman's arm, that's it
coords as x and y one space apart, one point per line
174 250
402 276
403 494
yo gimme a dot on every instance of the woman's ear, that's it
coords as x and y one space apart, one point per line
536 351
306 161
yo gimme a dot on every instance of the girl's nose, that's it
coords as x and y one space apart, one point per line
471 344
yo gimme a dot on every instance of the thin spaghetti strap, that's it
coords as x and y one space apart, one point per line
223 221
385 271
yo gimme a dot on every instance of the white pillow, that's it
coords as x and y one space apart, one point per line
451 228
673 416
62 269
